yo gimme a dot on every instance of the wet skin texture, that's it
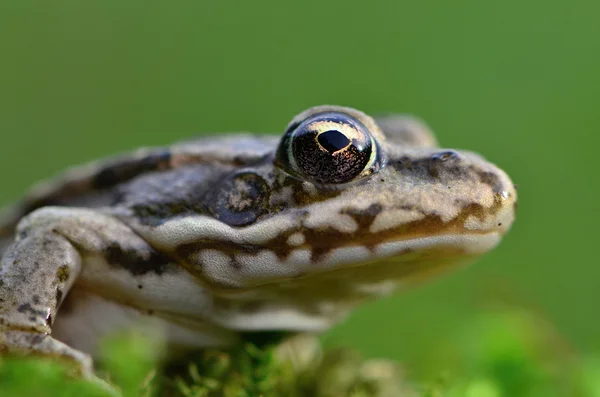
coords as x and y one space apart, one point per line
209 238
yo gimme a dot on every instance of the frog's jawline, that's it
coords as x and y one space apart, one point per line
400 254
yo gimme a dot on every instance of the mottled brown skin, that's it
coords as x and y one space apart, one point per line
208 238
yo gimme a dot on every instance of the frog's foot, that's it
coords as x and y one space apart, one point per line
43 345
37 273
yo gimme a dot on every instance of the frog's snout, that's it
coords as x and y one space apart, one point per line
501 214
508 208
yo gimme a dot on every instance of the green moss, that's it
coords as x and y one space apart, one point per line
501 354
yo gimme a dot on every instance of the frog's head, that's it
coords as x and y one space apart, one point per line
340 213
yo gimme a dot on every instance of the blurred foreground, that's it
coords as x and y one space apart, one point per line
502 353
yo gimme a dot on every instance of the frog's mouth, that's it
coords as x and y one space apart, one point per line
239 268
322 294
390 260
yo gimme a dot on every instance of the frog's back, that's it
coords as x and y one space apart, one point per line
95 184
100 183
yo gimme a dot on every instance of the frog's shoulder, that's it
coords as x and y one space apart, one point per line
86 185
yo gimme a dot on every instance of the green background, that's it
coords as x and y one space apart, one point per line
517 81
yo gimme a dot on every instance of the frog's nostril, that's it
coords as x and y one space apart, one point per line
445 156
441 160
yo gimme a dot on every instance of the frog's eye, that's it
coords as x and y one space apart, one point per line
328 148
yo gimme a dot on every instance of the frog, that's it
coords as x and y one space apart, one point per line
214 237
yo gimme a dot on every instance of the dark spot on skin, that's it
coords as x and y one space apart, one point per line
27 308
127 169
364 218
137 262
63 273
235 264
155 214
499 223
279 245
491 179
37 339
187 252
140 286
318 253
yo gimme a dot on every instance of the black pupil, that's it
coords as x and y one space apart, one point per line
333 140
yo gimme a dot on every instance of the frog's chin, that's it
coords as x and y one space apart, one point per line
320 299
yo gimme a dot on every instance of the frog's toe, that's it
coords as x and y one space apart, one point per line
41 344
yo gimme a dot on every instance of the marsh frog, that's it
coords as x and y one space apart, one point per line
213 237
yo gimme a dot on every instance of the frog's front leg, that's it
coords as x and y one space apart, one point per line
39 268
